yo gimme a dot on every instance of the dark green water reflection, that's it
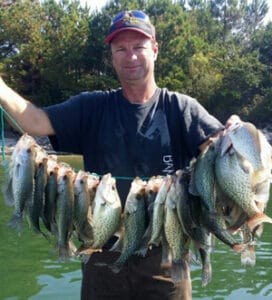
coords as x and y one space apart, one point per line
29 268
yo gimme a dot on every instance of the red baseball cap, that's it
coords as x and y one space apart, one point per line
134 20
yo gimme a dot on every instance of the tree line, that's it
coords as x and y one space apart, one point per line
218 51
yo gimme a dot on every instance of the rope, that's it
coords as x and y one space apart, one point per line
19 128
3 135
130 178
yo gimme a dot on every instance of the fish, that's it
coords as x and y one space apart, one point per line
82 224
151 190
199 235
21 172
134 226
106 214
40 177
158 212
250 143
236 177
177 240
92 183
203 175
50 194
65 211
203 185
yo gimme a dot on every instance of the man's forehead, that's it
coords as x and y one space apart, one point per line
131 37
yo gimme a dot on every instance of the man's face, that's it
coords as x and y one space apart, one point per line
133 56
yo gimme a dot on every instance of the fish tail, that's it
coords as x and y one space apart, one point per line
176 272
206 274
116 267
257 220
16 222
154 242
248 256
63 253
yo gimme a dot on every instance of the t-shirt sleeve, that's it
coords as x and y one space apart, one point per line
198 124
202 122
71 118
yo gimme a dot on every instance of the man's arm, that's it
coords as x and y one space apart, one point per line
31 119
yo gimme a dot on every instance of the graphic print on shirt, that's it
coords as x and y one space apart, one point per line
154 135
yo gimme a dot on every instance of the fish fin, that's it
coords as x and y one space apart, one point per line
142 251
154 242
85 258
258 219
206 274
7 192
115 267
248 256
166 257
226 144
258 231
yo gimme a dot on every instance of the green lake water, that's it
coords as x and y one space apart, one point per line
29 268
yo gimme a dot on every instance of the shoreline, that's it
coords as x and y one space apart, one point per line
11 138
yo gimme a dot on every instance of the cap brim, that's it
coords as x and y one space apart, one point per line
111 36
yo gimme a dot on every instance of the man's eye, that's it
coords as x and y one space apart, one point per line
139 47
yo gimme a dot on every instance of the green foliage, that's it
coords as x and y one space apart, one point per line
218 51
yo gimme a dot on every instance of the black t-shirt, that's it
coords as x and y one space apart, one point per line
128 140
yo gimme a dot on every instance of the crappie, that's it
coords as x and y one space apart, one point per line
22 171
50 195
36 206
82 205
106 213
151 190
250 143
177 241
203 177
201 238
246 160
158 212
239 181
203 184
65 210
134 223
92 183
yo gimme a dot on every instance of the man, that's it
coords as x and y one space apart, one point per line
137 130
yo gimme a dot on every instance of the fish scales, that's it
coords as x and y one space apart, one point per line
106 212
65 210
36 207
82 205
177 240
50 195
22 170
134 223
233 174
203 178
158 211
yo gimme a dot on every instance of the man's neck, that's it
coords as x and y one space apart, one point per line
138 94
